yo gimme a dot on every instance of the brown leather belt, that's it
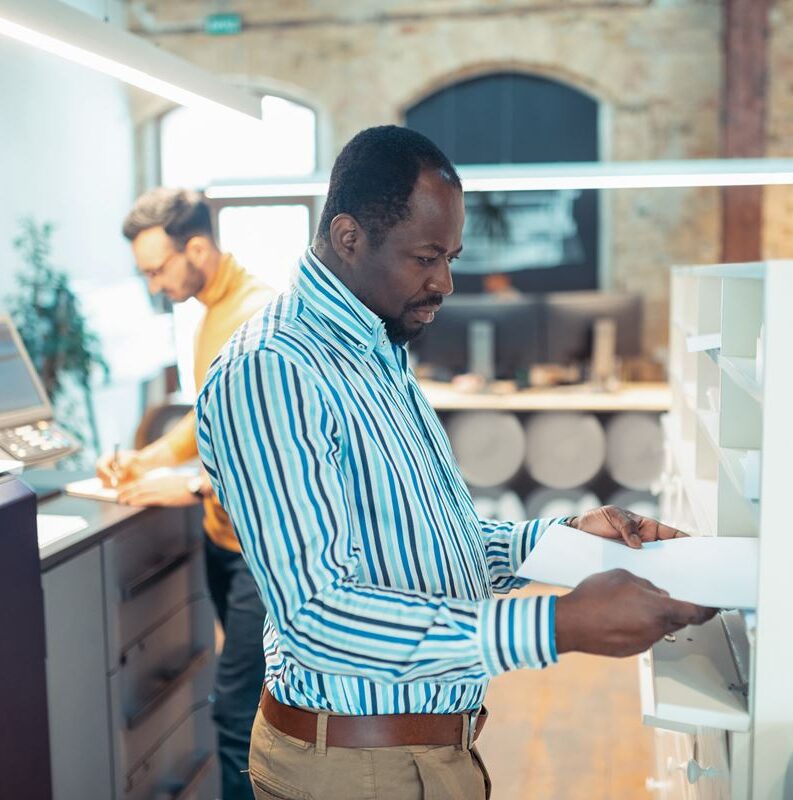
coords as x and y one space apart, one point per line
374 730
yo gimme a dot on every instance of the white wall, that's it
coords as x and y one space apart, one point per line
67 156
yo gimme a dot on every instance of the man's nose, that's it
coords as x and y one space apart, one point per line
441 281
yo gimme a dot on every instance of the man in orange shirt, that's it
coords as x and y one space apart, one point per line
175 250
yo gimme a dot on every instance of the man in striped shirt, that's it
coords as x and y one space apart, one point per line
377 574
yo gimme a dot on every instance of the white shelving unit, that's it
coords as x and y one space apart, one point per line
721 696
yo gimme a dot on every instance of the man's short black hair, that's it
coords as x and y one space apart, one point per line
374 175
181 213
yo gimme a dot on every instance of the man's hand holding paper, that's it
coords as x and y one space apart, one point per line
626 598
720 572
611 522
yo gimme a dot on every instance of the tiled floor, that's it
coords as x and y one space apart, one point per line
570 732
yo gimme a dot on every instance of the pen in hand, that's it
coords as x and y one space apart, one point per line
114 467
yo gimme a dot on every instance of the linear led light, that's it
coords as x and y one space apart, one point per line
586 175
56 28
296 188
629 175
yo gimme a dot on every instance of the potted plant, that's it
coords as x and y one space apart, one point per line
64 351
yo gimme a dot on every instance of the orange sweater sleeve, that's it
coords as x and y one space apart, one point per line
177 445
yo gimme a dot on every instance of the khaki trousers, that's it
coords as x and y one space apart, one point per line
285 768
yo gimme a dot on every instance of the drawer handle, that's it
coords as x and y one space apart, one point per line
193 779
170 685
161 570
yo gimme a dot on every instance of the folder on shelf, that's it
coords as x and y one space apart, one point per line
708 570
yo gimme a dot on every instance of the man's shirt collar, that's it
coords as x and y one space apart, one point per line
327 296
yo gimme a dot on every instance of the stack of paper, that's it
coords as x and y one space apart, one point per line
91 488
720 572
52 527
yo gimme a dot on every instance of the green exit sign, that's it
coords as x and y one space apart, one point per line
223 24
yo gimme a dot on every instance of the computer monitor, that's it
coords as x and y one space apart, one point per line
516 323
569 319
22 396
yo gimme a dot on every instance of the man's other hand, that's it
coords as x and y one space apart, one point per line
168 490
617 614
611 522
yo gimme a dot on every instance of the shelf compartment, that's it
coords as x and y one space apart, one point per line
742 467
692 682
737 513
702 493
741 316
743 373
708 294
740 417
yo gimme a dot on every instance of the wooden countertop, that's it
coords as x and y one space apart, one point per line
652 397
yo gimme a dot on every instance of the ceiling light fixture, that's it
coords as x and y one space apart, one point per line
576 175
76 36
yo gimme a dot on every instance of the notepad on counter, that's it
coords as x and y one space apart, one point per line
51 527
720 572
93 489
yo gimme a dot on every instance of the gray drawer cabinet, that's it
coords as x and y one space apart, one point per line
130 662
77 690
181 767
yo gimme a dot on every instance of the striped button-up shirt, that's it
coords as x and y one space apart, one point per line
377 575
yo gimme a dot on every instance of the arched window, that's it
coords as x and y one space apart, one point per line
198 148
266 235
546 240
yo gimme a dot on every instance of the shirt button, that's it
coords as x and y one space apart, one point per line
362 347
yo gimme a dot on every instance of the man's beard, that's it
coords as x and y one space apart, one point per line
194 283
395 328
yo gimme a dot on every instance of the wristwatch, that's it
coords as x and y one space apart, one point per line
195 485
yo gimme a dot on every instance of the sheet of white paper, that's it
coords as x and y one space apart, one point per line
52 527
91 488
11 466
709 570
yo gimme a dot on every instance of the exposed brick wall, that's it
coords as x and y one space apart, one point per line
778 206
654 64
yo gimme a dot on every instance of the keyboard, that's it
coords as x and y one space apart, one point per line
36 442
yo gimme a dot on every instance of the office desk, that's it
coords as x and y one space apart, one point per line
502 396
130 651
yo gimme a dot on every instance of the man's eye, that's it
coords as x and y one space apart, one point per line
426 259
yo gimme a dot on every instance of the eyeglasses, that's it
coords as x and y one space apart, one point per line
157 271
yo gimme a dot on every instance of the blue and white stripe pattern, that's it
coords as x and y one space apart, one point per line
352 514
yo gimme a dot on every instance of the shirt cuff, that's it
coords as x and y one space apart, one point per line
518 632
526 536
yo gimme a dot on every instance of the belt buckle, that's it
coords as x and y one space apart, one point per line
470 728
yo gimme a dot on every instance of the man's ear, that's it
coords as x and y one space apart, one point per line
347 238
197 249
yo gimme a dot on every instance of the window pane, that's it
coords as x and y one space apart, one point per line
186 317
266 240
198 148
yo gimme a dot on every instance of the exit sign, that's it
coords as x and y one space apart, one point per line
223 24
